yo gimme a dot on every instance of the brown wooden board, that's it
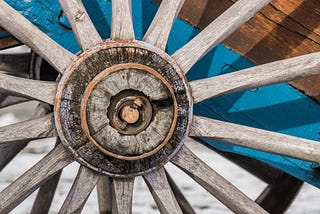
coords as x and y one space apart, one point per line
283 29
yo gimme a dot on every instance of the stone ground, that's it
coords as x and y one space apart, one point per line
306 202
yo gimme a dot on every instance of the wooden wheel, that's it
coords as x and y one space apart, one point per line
123 108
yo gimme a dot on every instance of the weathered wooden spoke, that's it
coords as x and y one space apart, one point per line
122 190
217 31
162 192
30 35
181 199
42 127
46 192
256 139
262 75
122 25
10 150
8 100
85 181
27 183
39 90
214 183
159 30
104 195
82 26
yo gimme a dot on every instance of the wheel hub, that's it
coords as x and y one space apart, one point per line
123 108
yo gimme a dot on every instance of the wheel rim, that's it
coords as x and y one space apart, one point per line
122 28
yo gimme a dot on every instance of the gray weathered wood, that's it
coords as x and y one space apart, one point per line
83 185
261 170
42 127
45 195
182 201
214 183
122 190
262 75
39 90
104 195
30 35
256 139
8 100
161 191
159 30
82 26
122 24
46 192
217 31
9 151
27 183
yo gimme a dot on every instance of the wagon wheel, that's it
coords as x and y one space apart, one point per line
123 108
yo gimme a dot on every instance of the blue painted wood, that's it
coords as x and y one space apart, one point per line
278 108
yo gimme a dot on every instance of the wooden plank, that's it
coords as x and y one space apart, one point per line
122 191
82 26
27 183
267 74
217 31
159 30
122 24
42 127
104 195
29 88
83 185
26 32
214 183
162 192
256 139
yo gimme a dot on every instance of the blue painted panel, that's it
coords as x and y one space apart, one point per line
278 108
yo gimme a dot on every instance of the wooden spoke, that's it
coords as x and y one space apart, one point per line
85 181
161 191
104 195
182 201
159 30
32 129
22 187
262 75
122 25
277 197
46 192
9 151
122 190
30 35
217 31
257 168
17 64
256 139
214 183
45 195
8 100
39 90
82 26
